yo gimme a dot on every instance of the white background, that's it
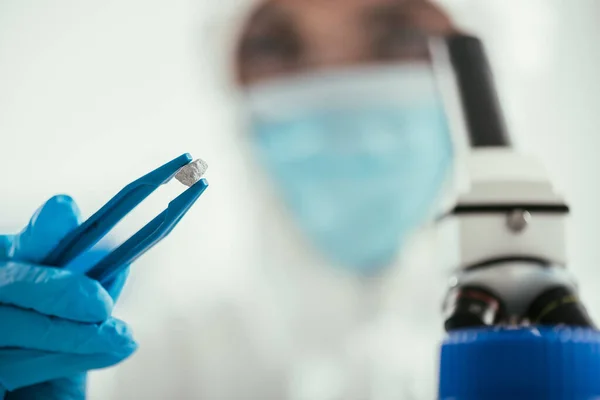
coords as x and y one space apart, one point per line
96 93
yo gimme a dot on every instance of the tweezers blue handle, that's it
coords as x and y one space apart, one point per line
98 225
148 236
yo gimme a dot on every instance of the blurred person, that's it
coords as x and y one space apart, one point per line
346 147
343 113
350 148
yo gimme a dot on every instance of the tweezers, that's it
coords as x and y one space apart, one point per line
98 225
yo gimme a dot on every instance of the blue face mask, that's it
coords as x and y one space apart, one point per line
360 157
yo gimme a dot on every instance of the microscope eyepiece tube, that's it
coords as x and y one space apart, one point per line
481 107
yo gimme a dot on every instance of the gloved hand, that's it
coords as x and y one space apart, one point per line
55 324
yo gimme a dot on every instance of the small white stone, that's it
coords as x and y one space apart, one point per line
191 173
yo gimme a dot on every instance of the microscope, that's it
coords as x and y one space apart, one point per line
511 223
515 325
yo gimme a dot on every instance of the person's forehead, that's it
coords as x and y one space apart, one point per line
326 8
314 13
323 5
324 17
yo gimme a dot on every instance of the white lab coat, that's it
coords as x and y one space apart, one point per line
234 305
288 333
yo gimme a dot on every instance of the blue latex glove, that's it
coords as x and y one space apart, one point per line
55 324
